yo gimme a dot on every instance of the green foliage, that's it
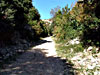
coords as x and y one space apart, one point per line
82 21
40 29
91 24
64 26
19 16
91 31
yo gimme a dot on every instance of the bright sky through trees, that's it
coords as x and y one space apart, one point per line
44 6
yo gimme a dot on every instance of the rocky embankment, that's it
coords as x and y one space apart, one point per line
18 46
10 51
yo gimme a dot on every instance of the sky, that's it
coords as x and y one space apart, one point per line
44 6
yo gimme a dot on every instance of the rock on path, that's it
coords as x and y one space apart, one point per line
39 60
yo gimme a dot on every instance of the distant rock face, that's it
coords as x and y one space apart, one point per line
48 21
80 1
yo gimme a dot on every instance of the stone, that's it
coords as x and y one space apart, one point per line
90 48
91 66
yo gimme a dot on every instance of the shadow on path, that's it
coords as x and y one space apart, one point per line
34 62
40 42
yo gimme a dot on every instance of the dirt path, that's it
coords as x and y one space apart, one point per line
49 47
40 60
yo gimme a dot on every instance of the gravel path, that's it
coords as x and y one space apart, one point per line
39 60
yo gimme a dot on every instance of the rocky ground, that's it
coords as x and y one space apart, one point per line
87 63
39 60
13 50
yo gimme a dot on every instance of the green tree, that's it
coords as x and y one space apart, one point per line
20 16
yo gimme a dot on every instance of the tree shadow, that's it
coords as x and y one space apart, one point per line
34 62
39 42
8 53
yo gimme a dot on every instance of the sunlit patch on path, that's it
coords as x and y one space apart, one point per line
48 47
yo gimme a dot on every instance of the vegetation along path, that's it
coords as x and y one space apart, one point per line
39 60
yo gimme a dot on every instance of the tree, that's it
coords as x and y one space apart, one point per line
16 15
53 11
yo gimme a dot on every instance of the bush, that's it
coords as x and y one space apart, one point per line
82 21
